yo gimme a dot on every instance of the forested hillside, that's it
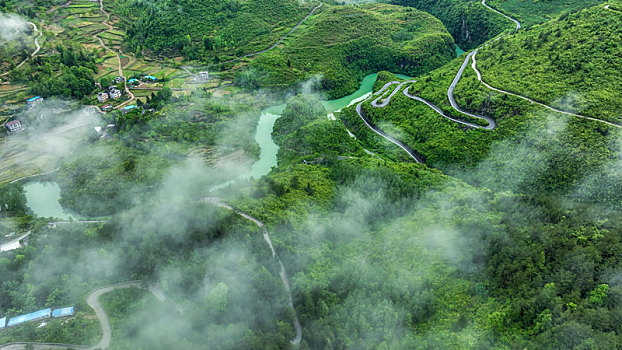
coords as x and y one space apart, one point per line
210 30
470 23
239 209
572 63
536 11
344 43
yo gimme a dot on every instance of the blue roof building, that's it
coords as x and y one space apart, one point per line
129 108
32 99
29 317
67 311
2 322
150 77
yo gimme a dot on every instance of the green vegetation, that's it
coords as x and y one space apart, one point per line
214 30
68 73
304 133
345 43
505 239
470 23
538 11
12 201
571 70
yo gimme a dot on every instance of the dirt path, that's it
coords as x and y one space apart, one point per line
280 40
34 26
54 8
120 69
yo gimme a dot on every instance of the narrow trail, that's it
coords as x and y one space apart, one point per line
38 47
54 8
280 40
120 69
283 273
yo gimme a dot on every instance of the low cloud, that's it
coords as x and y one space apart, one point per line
12 27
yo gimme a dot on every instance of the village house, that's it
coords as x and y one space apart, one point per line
114 93
102 97
204 76
33 101
117 80
14 126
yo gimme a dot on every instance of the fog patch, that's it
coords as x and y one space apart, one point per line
12 27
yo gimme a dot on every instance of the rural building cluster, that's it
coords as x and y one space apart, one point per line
35 316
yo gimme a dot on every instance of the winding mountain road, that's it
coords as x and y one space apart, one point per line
93 301
38 47
93 298
282 273
479 78
381 101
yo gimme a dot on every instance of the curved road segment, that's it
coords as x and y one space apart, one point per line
518 25
34 26
379 102
282 273
93 301
93 298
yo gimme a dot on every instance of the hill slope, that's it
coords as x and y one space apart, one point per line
573 63
208 29
470 23
344 43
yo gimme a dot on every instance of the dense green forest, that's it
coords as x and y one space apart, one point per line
504 239
69 73
208 30
468 21
110 175
537 11
342 44
572 71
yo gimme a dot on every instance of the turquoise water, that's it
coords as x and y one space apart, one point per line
42 199
459 51
268 149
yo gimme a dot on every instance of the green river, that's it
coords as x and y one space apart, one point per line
42 197
263 136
